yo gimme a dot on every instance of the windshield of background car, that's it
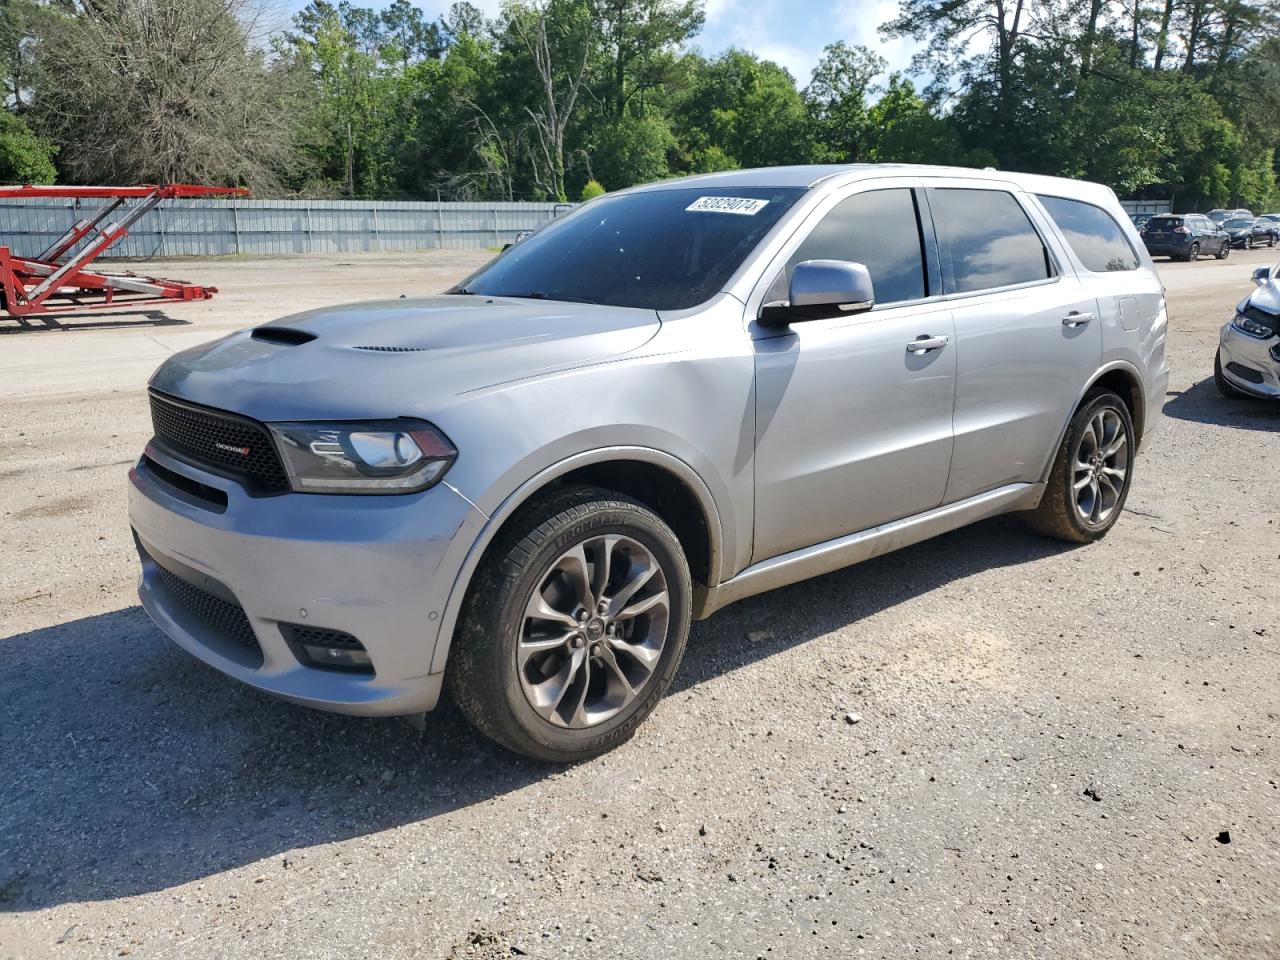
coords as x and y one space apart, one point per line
1238 224
657 249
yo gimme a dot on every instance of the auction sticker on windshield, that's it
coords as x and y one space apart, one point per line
744 205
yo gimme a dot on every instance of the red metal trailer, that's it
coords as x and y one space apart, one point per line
60 281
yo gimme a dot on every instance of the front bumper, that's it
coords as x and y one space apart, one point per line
375 567
1259 357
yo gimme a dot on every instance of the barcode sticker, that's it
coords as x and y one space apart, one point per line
743 205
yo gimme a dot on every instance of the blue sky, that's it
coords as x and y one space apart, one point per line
790 32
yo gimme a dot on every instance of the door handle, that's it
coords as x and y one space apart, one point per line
1076 319
922 345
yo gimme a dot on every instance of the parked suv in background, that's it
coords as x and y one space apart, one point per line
1185 236
672 398
1220 217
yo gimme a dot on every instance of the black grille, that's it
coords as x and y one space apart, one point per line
320 637
226 619
221 442
1245 373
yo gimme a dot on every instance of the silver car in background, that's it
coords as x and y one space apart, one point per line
1247 363
672 398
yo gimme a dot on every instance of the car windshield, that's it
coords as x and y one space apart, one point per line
1239 223
658 249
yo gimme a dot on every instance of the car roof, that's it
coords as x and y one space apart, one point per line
810 176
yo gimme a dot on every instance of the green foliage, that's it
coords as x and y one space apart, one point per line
24 157
592 190
633 150
1167 98
836 100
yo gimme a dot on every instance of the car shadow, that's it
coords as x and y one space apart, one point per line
68 322
130 767
1203 403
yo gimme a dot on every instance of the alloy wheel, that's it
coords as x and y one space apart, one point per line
1100 468
594 631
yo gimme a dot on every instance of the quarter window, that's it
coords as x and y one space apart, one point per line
988 238
879 229
1093 235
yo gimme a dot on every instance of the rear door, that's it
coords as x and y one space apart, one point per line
1027 333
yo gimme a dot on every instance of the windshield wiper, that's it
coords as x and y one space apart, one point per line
543 295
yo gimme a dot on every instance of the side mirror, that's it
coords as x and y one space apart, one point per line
1262 276
820 289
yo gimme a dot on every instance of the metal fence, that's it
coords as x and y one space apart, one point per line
264 227
1147 206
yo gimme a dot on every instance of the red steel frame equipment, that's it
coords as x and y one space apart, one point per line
28 284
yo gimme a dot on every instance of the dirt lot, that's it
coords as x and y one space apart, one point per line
151 808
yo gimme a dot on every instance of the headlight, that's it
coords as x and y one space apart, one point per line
382 456
1252 327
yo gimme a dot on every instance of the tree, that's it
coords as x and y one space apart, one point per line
638 40
24 157
743 111
836 98
633 150
559 39
162 90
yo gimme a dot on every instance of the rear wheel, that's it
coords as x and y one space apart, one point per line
1193 253
1090 478
1220 381
574 626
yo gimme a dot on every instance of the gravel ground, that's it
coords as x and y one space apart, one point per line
988 745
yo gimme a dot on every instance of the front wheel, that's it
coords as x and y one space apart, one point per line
1225 251
574 626
1091 475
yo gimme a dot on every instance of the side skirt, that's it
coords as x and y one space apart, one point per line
855 547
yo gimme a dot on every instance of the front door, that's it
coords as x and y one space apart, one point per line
853 423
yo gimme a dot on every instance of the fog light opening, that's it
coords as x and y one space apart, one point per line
327 649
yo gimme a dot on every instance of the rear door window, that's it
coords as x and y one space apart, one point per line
879 229
1096 239
988 239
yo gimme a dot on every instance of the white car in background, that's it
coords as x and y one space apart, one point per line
1248 359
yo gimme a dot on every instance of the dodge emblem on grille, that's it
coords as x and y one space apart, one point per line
243 451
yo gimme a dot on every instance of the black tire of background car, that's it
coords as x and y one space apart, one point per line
482 675
1056 515
1193 253
1225 251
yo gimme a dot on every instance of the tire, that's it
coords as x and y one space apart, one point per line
493 676
1248 243
1193 253
1061 512
1225 251
1220 381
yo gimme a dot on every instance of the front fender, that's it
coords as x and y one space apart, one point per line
472 551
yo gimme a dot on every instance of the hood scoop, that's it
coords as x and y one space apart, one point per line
286 336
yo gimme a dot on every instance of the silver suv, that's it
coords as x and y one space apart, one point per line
675 397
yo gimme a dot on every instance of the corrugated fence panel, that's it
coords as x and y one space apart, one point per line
204 228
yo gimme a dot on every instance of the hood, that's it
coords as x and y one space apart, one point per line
1266 298
397 357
